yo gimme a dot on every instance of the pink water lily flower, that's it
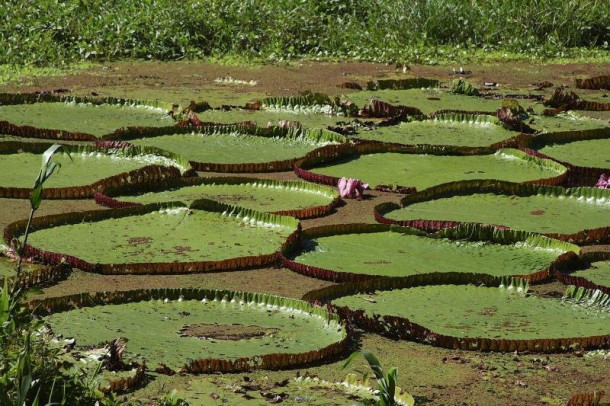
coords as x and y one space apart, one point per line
351 188
603 182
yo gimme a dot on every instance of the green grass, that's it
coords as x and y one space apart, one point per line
53 32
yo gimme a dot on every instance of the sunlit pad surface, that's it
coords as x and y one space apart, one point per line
472 131
487 312
427 100
264 196
598 273
539 213
423 171
565 122
402 254
86 118
590 153
174 331
170 235
263 118
85 167
233 148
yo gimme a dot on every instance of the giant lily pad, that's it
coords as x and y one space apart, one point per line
472 314
445 129
416 168
594 276
94 116
428 100
554 211
157 238
565 122
242 148
598 273
263 118
299 199
351 252
85 171
209 331
32 273
588 153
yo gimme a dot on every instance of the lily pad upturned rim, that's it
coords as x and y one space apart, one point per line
247 128
333 153
16 228
401 328
277 361
472 187
470 232
458 117
581 281
578 175
402 84
148 173
45 275
108 197
27 131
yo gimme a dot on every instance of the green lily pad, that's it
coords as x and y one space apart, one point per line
177 326
548 210
85 117
232 146
565 122
598 273
423 171
31 273
179 238
263 117
427 100
401 252
588 153
84 166
486 312
257 194
450 129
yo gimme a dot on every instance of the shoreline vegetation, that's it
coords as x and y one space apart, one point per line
60 33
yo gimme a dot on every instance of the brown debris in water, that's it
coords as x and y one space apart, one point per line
234 332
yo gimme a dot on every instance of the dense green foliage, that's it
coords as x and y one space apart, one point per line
49 31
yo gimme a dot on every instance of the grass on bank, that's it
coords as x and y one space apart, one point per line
56 32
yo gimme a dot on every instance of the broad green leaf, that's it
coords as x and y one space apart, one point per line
4 303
